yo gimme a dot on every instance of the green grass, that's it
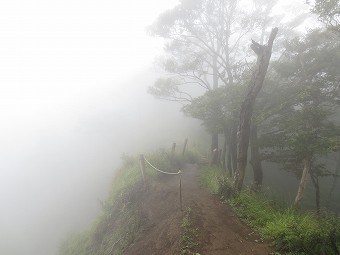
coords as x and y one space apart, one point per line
216 181
117 226
189 236
291 231
119 221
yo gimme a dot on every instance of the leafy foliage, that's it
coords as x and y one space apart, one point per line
217 108
328 12
216 181
290 231
303 126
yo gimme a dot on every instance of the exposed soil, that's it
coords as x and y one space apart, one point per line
220 231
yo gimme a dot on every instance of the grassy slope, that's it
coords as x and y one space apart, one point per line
117 226
291 231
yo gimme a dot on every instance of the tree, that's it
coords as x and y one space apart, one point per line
261 110
263 53
217 109
328 12
305 130
203 39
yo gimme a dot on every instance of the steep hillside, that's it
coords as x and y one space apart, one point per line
147 219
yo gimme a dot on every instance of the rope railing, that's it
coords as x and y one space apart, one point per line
179 173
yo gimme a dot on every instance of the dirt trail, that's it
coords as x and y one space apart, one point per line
220 231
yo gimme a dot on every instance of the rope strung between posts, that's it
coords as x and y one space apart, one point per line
179 172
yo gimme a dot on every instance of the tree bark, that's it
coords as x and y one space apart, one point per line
214 146
336 172
224 152
219 158
315 181
214 138
185 146
232 150
306 169
255 159
229 167
263 53
233 144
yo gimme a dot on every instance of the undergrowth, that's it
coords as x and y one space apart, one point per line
291 231
189 237
117 226
217 182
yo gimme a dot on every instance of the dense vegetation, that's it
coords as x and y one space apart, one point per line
287 113
279 97
117 226
291 231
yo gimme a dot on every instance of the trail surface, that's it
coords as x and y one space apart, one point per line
220 231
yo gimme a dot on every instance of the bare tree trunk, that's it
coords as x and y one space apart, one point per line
233 144
214 138
185 146
336 172
173 149
219 158
230 170
224 152
255 159
303 181
214 146
315 181
263 53
232 150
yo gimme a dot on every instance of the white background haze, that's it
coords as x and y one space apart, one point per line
73 81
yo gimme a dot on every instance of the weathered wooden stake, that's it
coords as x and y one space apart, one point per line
219 156
142 166
180 188
185 146
173 149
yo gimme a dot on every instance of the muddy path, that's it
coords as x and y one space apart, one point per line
220 231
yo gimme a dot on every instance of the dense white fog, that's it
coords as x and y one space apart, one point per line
74 76
52 178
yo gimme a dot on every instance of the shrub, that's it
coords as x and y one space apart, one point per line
291 231
216 181
120 219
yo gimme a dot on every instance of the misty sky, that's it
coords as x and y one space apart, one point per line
71 76
73 80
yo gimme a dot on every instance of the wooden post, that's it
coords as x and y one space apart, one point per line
185 146
180 188
142 166
219 157
173 149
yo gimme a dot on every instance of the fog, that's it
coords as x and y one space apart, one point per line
73 99
51 179
74 76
